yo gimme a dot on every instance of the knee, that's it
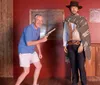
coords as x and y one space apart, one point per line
82 68
26 72
39 66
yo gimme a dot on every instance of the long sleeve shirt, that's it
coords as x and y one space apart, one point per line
67 35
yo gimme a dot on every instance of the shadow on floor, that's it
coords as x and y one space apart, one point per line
49 81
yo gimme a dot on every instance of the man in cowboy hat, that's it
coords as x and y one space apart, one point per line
76 42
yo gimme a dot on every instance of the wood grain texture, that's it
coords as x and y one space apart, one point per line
93 66
49 81
6 50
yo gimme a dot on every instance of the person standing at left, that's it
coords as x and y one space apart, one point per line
27 55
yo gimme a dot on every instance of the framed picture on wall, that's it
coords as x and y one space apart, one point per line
53 18
95 15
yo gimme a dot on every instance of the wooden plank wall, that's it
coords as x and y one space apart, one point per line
97 59
93 67
6 27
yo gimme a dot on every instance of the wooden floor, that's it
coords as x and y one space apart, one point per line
52 81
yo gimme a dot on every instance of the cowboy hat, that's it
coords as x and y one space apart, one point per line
74 3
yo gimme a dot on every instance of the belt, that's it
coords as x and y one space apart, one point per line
73 42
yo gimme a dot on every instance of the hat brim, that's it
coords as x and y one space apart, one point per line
69 6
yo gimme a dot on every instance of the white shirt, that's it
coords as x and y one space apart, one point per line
75 34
